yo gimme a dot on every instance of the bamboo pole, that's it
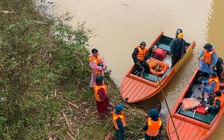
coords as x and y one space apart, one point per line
167 104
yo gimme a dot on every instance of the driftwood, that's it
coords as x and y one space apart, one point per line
70 135
67 122
109 136
6 12
72 104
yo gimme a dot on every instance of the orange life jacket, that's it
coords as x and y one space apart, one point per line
96 89
217 83
153 127
221 99
96 61
141 53
116 116
207 56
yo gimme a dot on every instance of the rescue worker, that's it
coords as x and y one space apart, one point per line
97 65
153 125
119 121
207 59
139 57
101 96
210 86
217 104
177 48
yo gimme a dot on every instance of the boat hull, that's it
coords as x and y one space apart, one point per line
191 128
135 89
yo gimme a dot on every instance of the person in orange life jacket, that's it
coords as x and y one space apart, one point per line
101 95
119 122
217 104
207 60
97 65
177 48
211 85
153 125
139 56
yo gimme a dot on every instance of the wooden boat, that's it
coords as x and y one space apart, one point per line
191 125
135 88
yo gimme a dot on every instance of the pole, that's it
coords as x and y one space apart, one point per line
166 103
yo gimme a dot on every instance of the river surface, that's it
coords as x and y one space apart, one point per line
120 25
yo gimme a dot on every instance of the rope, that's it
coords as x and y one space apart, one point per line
167 107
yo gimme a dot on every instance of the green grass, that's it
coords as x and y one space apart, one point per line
40 73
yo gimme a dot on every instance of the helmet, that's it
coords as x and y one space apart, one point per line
118 108
153 113
180 35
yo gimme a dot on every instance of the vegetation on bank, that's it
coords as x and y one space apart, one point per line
44 77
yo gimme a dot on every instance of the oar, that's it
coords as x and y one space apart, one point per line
167 106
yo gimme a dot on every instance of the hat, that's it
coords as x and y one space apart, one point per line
214 74
154 114
180 35
118 108
142 43
99 79
208 46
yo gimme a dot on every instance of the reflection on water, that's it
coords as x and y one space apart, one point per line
120 25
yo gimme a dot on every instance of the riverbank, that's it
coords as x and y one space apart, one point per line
44 80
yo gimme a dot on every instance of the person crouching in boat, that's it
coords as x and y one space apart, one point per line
217 104
101 96
153 125
139 57
210 86
119 121
177 48
97 65
207 59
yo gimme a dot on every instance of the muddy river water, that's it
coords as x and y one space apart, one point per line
120 25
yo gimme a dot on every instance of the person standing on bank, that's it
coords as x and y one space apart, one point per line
139 57
153 125
101 96
97 65
207 59
177 48
119 121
